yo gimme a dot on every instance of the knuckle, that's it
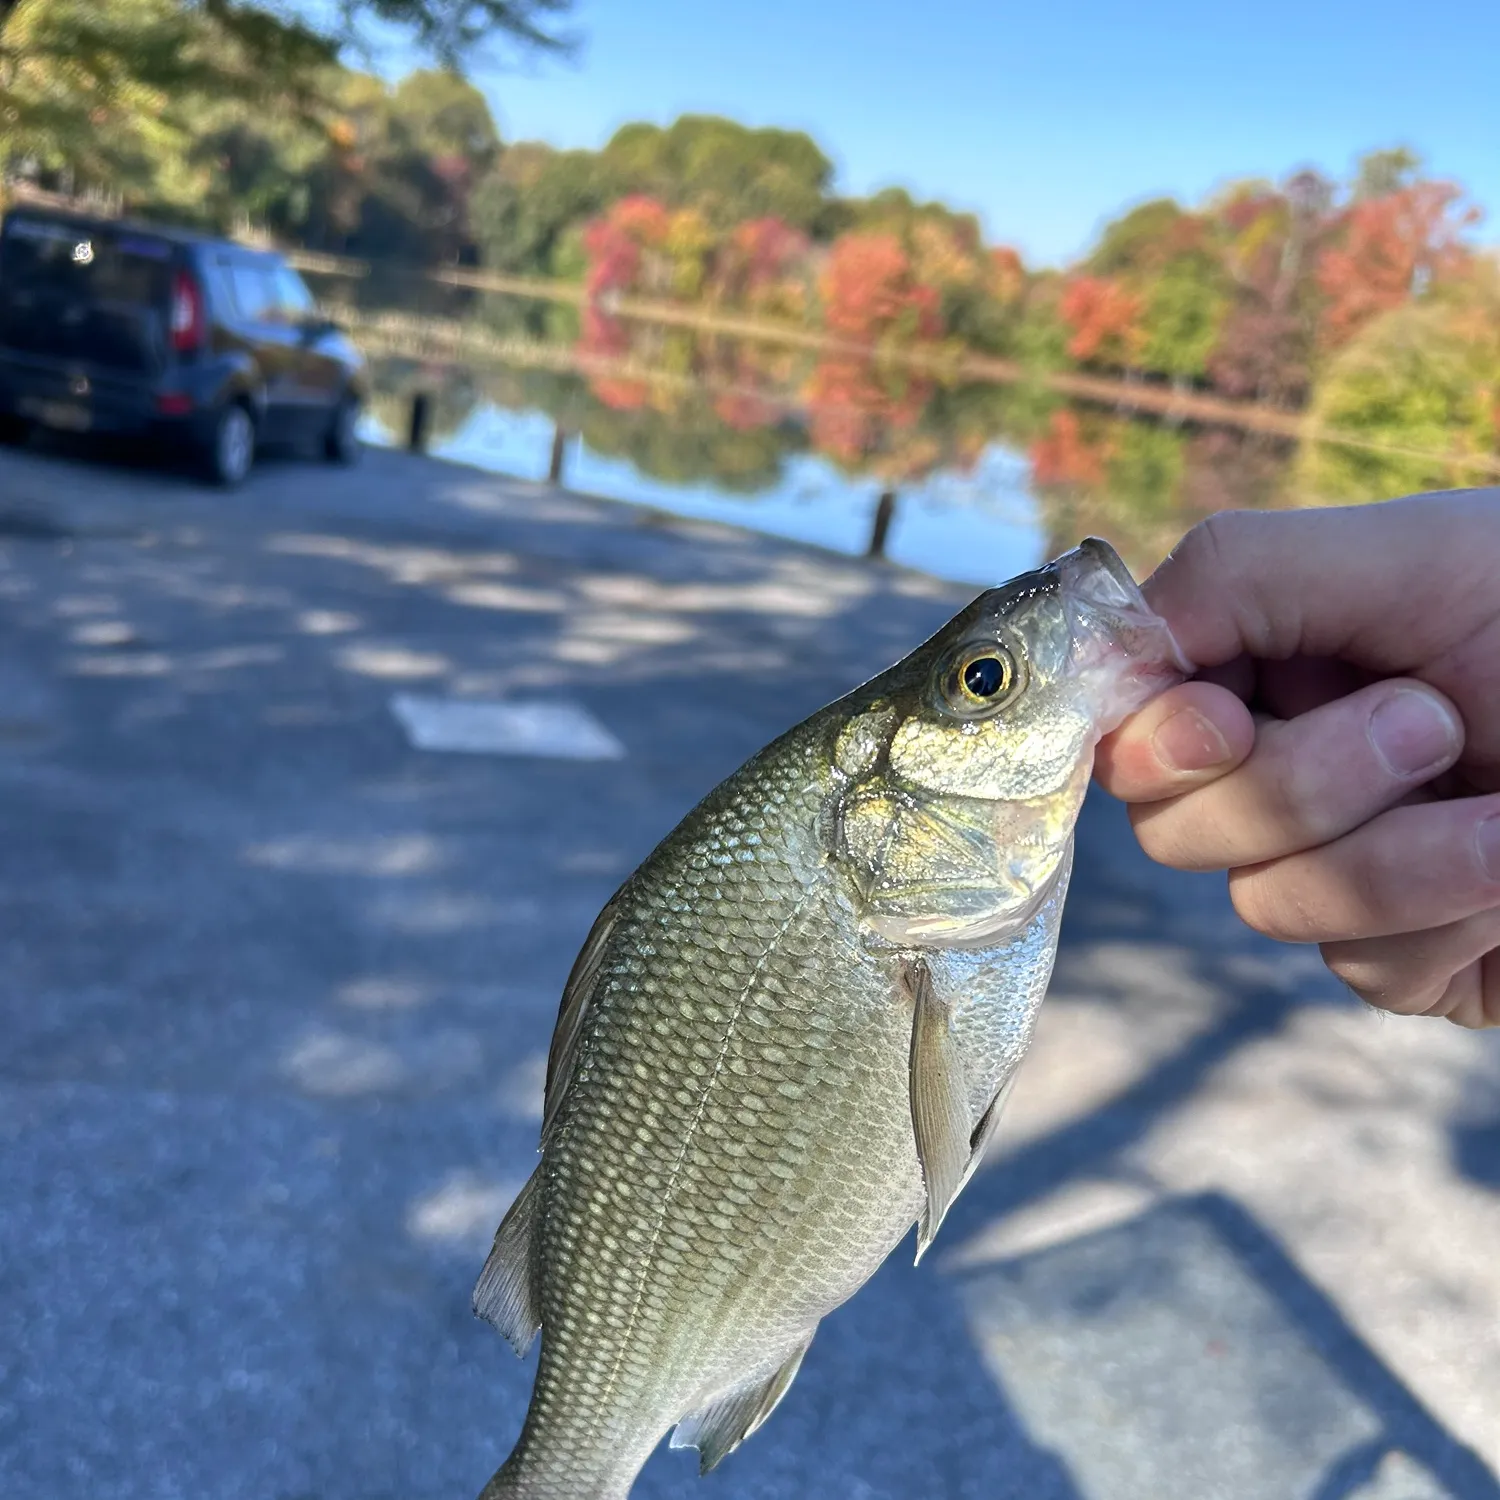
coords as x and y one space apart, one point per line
1384 982
1287 794
1176 835
1312 795
1261 904
1359 974
1371 899
1301 792
1217 538
1270 625
1151 824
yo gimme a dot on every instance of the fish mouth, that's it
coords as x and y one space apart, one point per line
1119 641
1093 573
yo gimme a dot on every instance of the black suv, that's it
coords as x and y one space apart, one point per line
113 327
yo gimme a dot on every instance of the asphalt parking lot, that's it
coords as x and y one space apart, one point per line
276 987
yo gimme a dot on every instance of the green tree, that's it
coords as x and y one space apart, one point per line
440 113
1380 173
102 96
728 171
1135 240
1144 469
1422 381
524 209
119 97
1185 307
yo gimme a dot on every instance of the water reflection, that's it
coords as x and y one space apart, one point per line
803 442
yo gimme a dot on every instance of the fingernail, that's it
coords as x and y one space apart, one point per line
1189 742
1487 836
1413 732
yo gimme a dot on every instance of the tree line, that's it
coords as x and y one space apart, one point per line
1362 300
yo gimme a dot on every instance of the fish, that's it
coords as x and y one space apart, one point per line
790 1034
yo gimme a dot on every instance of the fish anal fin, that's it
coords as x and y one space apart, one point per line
505 1294
717 1429
939 1100
575 999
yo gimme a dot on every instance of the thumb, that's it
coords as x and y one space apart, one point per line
1387 586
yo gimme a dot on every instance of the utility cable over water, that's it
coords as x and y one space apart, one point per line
791 1032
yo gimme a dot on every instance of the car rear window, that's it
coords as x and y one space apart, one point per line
101 265
94 293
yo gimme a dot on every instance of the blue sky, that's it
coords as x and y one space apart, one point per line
1046 118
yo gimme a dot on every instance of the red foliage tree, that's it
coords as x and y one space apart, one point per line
759 266
614 242
1388 250
1261 354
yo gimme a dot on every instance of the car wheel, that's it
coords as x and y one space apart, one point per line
231 445
341 442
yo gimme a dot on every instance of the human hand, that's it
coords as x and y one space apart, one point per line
1339 753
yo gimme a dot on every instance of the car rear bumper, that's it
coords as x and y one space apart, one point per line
70 400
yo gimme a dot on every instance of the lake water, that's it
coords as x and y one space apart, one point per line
979 526
988 479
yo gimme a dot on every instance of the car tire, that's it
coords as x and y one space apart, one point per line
341 443
14 430
230 450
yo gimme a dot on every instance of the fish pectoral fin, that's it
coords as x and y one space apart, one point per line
939 1101
717 1429
505 1294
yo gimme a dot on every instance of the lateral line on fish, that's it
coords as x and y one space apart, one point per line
687 1142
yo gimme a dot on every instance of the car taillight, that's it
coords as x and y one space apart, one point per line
187 313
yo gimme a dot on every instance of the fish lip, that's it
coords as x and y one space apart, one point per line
1097 583
1096 572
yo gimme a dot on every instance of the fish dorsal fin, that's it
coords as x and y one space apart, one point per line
939 1100
575 1000
717 1429
505 1294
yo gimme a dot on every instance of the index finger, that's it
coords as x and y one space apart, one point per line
1374 584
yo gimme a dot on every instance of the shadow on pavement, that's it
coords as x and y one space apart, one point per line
1183 1353
1476 1151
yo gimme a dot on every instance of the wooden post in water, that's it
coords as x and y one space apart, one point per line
559 447
421 422
885 510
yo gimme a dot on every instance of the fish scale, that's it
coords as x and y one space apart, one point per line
789 1036
720 981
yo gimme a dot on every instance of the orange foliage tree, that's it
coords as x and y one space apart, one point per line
871 295
1103 319
870 292
1064 455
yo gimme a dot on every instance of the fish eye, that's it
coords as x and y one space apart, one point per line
980 679
986 676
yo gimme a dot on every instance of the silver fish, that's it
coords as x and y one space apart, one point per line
791 1032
